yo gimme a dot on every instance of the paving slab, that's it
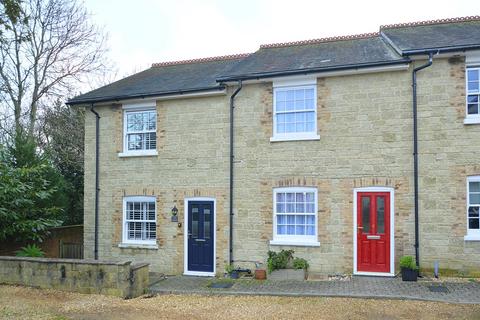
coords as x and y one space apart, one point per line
356 287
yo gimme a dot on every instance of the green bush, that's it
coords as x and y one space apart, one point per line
30 251
278 260
408 262
300 263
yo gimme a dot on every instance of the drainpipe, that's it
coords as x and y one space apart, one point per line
97 188
232 107
415 151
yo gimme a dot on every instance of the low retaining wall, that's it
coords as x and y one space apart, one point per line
121 279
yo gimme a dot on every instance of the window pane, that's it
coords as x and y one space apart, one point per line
280 197
300 219
310 230
290 197
206 223
473 98
291 219
310 219
473 86
280 208
473 223
281 229
151 231
310 196
300 197
473 75
380 215
281 96
299 104
474 198
281 219
300 208
300 230
300 94
310 208
309 94
300 127
474 186
473 212
472 108
289 105
366 214
290 229
194 230
290 95
280 106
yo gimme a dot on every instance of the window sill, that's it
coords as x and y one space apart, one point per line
295 137
472 237
143 153
295 243
471 120
138 246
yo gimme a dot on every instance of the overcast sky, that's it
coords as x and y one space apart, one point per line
145 31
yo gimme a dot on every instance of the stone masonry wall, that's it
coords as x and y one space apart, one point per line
120 279
365 128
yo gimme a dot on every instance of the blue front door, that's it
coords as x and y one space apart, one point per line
201 255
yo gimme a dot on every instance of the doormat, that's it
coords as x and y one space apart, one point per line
440 289
221 285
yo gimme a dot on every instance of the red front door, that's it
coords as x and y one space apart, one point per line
373 232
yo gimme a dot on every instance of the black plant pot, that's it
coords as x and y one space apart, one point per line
409 274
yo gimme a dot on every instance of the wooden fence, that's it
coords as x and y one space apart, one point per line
69 250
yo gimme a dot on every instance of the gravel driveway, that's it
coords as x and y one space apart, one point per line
29 303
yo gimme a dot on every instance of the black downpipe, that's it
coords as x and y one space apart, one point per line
97 186
232 156
415 151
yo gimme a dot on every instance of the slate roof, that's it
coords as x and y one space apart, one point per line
165 78
315 55
426 36
392 45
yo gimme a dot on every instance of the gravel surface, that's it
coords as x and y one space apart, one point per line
29 303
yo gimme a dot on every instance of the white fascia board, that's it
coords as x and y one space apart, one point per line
472 57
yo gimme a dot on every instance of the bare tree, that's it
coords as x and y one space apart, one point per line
51 47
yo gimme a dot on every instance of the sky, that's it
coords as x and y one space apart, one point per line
141 32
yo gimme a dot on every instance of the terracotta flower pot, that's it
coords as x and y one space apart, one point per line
260 274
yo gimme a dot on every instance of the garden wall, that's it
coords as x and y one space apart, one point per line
122 279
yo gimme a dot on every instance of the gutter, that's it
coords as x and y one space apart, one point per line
97 185
73 101
262 75
415 150
440 50
232 157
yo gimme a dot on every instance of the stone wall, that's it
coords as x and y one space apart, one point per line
365 128
122 279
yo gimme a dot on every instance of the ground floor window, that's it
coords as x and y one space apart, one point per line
139 220
295 215
473 206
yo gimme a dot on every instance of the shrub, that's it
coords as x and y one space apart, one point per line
408 262
30 251
300 263
278 260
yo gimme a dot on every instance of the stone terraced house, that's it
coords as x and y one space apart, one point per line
352 151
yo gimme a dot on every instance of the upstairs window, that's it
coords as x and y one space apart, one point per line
473 92
295 112
140 132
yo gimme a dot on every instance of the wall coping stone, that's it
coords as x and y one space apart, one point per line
57 260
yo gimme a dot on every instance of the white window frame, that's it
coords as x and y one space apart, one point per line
294 240
472 234
137 108
470 118
125 240
289 84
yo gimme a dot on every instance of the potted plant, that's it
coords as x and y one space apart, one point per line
409 268
231 271
283 266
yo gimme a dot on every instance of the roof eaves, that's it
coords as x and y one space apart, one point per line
438 50
74 101
263 75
